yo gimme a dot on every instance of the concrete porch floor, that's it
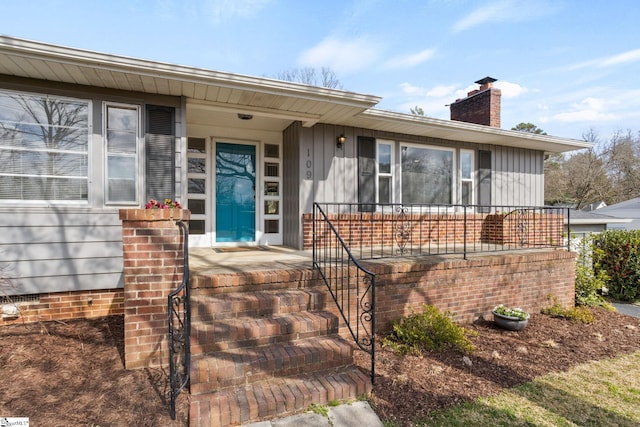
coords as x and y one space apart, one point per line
207 260
243 259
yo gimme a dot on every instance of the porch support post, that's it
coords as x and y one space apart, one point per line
153 266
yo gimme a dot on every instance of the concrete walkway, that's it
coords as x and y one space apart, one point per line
628 309
356 414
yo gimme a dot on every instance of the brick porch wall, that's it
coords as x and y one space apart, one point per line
153 267
376 229
471 288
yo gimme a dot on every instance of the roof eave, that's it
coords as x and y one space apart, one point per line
469 132
69 55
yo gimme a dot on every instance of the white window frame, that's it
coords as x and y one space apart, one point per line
206 238
390 174
39 202
471 179
454 167
263 237
138 158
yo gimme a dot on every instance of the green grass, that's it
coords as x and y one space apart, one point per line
601 393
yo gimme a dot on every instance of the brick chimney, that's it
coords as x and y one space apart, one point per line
481 106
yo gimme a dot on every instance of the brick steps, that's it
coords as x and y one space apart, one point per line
241 332
212 306
276 397
267 353
244 366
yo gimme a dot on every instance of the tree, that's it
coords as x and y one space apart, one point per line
622 156
555 181
418 111
529 128
325 77
586 178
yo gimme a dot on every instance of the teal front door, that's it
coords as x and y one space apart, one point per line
235 192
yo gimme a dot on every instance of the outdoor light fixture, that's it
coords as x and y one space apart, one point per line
340 140
245 116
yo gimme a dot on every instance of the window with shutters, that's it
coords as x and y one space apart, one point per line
484 179
160 176
366 174
44 148
121 132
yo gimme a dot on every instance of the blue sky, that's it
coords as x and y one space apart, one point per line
566 65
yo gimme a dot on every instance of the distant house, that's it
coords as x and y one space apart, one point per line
83 134
629 209
583 223
594 206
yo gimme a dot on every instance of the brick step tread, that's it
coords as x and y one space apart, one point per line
249 331
264 303
249 281
277 397
247 365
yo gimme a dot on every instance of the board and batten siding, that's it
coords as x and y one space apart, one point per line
60 249
315 169
517 176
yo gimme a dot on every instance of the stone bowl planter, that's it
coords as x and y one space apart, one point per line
509 323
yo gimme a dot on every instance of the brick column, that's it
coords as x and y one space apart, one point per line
153 267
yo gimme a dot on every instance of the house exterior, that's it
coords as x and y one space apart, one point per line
629 209
84 134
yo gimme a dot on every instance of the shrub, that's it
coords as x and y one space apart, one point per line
428 331
617 253
575 314
591 281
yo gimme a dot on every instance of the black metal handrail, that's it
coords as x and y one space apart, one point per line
351 286
375 231
179 311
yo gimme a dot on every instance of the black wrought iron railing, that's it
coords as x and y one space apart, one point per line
179 309
371 231
351 286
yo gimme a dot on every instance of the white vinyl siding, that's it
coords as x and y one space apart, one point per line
44 148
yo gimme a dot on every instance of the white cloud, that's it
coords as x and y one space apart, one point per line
411 60
588 110
223 10
433 100
622 58
504 11
441 91
608 61
510 90
342 56
409 89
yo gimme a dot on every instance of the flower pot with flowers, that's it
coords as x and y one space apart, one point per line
165 204
512 319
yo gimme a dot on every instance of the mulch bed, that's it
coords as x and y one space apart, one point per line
72 373
408 388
